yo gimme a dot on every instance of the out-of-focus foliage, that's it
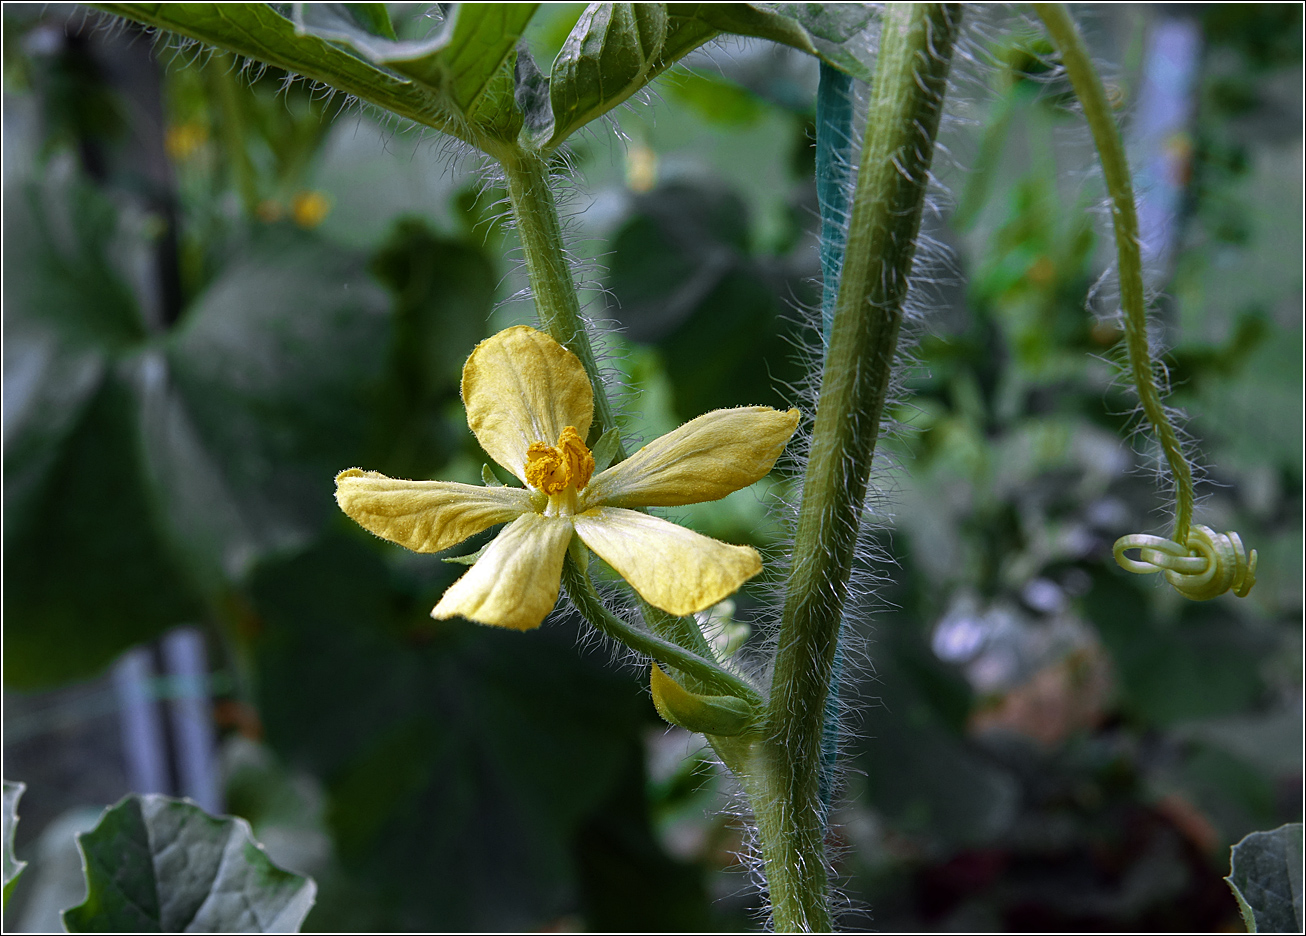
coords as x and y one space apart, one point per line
222 288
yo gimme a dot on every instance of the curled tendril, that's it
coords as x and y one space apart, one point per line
1212 563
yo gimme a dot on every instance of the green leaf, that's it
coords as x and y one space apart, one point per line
614 50
605 449
725 716
259 32
468 559
840 33
373 17
1265 874
12 866
465 64
449 751
259 398
156 864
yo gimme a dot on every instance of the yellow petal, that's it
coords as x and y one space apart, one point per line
520 386
675 569
425 516
705 459
515 583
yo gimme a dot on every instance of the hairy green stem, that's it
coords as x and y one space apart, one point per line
558 308
906 101
556 301
707 672
1110 150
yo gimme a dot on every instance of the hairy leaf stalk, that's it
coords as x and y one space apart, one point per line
556 301
1124 215
906 102
704 672
558 308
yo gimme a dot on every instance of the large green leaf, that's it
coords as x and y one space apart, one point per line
145 470
160 865
464 80
618 48
263 394
12 867
1266 876
86 572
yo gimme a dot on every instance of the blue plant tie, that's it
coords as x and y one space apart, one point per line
834 183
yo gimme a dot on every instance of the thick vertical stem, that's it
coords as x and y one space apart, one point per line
906 101
1124 215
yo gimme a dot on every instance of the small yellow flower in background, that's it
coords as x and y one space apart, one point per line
529 405
308 209
183 141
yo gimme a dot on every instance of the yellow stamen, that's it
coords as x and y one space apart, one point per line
553 469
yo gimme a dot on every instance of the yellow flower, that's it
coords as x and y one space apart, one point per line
309 209
530 406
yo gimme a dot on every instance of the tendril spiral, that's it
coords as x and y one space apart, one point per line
1212 564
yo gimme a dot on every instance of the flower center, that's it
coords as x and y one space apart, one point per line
555 468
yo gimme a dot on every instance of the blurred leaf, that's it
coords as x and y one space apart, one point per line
156 864
137 466
717 101
265 391
444 292
1266 876
86 571
89 575
11 865
459 760
687 282
1201 665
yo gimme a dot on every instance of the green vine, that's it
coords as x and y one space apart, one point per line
1198 554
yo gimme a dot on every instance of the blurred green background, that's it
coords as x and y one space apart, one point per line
222 287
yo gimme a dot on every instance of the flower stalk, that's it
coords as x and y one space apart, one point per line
558 308
556 301
709 674
906 102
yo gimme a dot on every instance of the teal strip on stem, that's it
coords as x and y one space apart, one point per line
835 174
835 178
